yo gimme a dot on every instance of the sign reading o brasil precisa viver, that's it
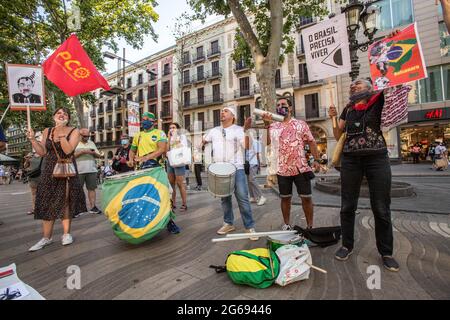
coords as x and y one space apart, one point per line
327 49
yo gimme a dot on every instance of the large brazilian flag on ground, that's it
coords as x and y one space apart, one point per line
137 204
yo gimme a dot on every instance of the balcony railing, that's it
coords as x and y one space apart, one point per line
198 57
304 81
118 123
152 96
241 93
214 52
300 51
100 111
166 113
186 61
166 92
204 101
200 77
109 108
241 67
92 114
186 81
108 126
100 127
92 129
214 74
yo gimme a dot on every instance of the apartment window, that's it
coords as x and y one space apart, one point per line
216 117
312 106
244 113
200 52
187 98
306 20
215 47
166 108
129 83
118 119
216 92
166 87
118 135
201 119
152 109
109 136
100 107
110 105
187 121
186 57
244 86
200 73
395 13
141 95
278 79
167 69
301 49
130 97
445 39
186 77
153 75
303 74
201 96
152 94
140 78
215 68
431 88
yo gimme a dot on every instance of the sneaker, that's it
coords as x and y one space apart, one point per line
41 244
390 263
199 188
286 227
226 228
66 239
79 215
343 254
261 201
173 228
252 200
95 210
252 230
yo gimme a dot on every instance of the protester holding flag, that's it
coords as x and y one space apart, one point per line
57 198
148 148
365 154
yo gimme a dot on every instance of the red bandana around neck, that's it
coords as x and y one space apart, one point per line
365 106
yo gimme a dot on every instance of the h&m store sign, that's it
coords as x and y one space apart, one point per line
429 115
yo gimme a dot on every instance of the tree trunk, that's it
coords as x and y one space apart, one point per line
80 111
265 76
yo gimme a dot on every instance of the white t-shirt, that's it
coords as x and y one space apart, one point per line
178 141
440 150
256 148
227 144
86 162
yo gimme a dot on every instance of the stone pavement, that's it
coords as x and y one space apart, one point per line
177 266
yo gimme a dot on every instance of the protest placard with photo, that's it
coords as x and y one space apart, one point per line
26 87
397 60
326 48
133 118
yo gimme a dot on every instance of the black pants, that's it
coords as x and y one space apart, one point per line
198 171
377 170
416 157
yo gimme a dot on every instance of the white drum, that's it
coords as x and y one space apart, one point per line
221 179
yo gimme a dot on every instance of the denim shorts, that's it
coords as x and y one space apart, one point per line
178 171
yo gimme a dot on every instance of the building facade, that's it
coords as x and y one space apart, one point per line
108 117
18 145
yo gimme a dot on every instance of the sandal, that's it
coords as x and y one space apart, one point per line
183 207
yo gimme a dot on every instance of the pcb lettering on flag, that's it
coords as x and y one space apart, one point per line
71 69
327 49
397 60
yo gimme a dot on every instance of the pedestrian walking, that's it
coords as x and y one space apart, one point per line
57 198
416 149
254 160
85 154
197 156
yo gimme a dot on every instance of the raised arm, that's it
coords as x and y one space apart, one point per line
38 146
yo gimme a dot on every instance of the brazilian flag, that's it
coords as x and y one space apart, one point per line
400 52
137 205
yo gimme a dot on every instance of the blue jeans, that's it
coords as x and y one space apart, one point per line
241 194
150 164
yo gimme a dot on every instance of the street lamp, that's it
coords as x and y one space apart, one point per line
366 14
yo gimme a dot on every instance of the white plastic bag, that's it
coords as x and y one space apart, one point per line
179 157
294 264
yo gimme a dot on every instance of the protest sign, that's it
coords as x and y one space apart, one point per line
397 60
326 49
133 118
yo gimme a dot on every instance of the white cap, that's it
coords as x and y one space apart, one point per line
232 109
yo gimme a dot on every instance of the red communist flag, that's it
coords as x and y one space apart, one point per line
71 69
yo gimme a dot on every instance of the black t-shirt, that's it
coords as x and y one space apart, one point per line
124 152
364 135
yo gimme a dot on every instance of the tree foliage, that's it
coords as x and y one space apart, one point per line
33 29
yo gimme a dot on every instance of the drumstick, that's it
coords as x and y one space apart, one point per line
316 268
261 234
232 238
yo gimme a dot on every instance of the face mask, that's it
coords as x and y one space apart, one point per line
147 124
282 111
360 96
60 123
125 142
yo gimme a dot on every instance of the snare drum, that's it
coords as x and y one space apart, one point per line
221 179
128 174
276 241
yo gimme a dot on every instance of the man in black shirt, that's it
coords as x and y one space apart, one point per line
26 85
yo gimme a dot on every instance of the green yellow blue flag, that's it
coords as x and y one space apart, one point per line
137 205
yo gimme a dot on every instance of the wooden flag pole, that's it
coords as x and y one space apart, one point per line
335 124
29 117
4 114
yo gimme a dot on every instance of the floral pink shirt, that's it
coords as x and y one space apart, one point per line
290 137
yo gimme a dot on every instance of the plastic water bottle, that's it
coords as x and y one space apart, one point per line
275 116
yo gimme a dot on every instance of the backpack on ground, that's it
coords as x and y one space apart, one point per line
258 268
323 237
